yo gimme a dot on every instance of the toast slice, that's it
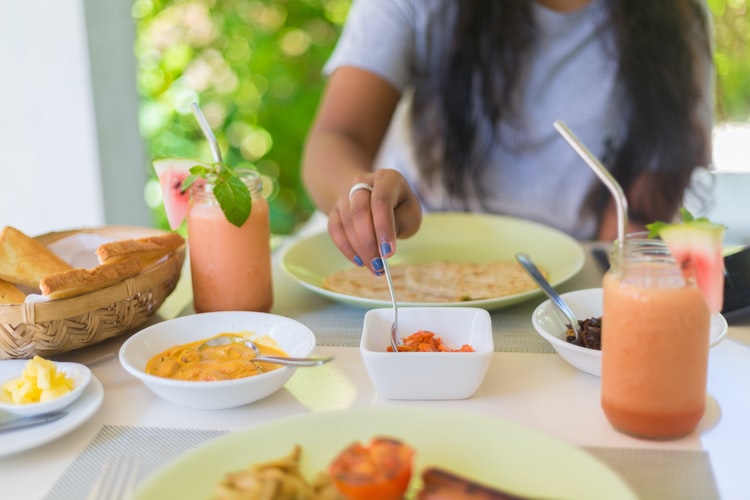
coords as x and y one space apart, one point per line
10 294
79 281
24 261
147 250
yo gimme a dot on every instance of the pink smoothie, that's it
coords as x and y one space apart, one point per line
230 266
654 358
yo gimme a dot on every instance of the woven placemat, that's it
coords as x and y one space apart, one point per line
151 447
652 474
662 474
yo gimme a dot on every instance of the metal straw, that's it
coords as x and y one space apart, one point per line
206 128
621 203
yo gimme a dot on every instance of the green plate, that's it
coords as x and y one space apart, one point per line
495 452
458 237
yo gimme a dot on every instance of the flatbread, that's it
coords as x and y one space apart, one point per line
439 281
360 282
469 281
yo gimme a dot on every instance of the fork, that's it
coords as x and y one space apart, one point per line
117 479
395 337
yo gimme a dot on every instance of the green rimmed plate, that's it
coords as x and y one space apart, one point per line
495 452
459 237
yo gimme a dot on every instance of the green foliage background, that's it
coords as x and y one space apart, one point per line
254 66
732 58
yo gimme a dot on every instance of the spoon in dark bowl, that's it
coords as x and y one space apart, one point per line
540 280
259 357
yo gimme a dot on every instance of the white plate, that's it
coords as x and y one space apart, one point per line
496 452
78 412
459 237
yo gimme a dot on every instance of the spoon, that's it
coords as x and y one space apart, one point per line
395 337
540 280
279 360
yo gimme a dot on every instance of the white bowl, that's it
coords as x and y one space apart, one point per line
587 303
292 336
81 376
428 375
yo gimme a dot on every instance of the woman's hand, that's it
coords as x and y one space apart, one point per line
340 152
365 223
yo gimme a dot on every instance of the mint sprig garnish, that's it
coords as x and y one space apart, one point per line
655 228
232 194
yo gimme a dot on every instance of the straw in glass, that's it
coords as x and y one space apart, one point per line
206 128
605 176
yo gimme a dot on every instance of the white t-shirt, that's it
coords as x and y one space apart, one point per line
535 174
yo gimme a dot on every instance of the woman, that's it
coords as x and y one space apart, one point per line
449 105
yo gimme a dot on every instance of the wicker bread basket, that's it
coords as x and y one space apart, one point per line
58 326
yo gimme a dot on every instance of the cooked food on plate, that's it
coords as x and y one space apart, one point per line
439 484
378 470
199 362
276 479
438 281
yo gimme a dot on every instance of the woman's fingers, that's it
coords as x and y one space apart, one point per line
366 220
359 228
350 228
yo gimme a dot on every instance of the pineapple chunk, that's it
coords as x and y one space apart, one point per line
40 381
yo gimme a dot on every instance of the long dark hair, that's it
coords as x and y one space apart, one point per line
658 45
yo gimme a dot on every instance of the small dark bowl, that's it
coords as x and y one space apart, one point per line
737 283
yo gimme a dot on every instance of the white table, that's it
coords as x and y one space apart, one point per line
538 390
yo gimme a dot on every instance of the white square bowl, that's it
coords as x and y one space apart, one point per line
428 375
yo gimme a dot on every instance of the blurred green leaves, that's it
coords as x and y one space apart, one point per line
732 58
254 66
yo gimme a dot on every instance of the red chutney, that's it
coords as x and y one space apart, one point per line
426 341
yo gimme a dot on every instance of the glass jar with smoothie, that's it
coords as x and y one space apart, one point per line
230 265
655 329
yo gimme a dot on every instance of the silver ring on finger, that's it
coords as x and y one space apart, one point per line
358 186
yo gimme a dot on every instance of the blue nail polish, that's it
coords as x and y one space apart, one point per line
358 261
385 248
377 264
380 273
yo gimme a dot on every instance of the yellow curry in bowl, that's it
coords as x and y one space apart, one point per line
209 363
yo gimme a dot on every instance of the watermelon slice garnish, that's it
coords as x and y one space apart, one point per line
696 244
172 172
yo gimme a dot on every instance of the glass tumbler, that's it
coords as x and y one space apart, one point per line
655 341
230 265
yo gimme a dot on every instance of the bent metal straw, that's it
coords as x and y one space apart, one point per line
621 203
